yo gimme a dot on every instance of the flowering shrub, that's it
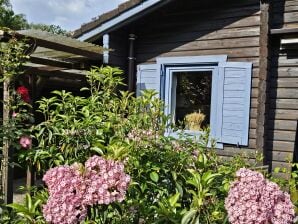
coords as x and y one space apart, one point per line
73 188
26 142
138 135
253 199
24 93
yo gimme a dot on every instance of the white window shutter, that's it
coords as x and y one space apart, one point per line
147 78
233 102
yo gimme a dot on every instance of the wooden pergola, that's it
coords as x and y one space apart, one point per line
54 59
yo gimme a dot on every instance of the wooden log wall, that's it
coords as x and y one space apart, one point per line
118 56
283 112
194 28
285 14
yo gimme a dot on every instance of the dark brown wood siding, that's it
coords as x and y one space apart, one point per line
118 44
194 28
283 94
285 14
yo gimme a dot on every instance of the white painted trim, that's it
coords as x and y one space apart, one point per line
168 65
118 19
289 41
192 59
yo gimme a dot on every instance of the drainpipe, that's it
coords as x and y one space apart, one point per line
105 44
131 63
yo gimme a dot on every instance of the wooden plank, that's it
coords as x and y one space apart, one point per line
216 12
281 135
279 164
288 17
286 125
284 83
232 151
253 123
285 93
56 43
173 36
53 62
279 156
55 71
284 103
283 114
206 24
283 146
247 54
285 72
202 45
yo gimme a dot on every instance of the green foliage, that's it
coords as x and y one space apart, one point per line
29 212
290 183
9 19
55 29
173 180
12 57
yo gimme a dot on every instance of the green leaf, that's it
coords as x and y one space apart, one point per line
173 200
188 216
98 150
154 176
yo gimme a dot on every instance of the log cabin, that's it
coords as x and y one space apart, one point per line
235 62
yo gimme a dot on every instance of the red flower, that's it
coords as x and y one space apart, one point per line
24 93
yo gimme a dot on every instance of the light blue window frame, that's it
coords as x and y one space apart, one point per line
170 65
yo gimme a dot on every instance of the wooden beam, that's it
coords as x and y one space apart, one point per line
53 62
284 31
51 71
263 76
73 50
60 43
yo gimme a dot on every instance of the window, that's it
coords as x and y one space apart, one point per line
191 99
203 86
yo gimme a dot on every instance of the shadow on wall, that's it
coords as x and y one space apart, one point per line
283 65
194 27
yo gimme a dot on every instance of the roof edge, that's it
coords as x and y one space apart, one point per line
120 19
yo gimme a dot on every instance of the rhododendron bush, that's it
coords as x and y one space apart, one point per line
253 199
105 159
73 188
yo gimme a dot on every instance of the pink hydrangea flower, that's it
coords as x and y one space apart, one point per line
73 188
25 142
14 114
253 199
137 135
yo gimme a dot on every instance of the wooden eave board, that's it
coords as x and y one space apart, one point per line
284 31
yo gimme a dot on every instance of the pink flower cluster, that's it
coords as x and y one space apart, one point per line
73 188
139 134
25 142
253 199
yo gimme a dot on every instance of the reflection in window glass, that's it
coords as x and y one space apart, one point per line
191 99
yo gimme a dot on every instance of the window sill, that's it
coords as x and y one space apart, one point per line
194 135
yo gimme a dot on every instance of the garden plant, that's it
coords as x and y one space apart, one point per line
104 158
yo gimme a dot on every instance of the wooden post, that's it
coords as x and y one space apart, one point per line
5 168
31 174
263 77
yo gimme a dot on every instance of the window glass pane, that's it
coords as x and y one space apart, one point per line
191 99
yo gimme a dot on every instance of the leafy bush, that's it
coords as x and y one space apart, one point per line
172 180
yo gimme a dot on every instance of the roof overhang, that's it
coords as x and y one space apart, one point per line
123 19
55 55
